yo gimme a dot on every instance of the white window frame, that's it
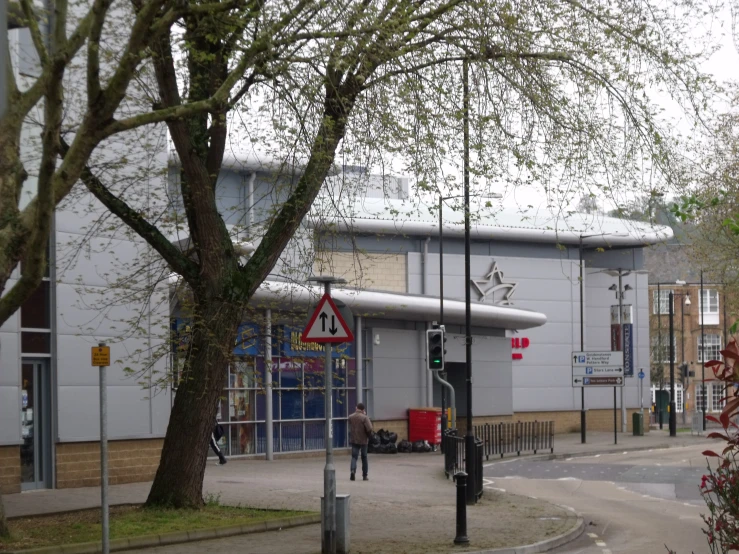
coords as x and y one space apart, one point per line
663 303
714 346
697 403
665 349
717 397
711 315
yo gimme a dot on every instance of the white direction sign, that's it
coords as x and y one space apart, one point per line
326 324
609 358
615 381
598 369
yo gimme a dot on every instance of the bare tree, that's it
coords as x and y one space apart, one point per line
553 102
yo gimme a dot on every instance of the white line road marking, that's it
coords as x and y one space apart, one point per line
600 543
592 535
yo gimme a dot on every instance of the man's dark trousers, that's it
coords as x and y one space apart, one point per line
356 449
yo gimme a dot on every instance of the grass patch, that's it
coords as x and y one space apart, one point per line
128 521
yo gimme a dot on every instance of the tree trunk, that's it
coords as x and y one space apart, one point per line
4 531
179 478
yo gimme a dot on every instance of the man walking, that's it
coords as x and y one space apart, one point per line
360 430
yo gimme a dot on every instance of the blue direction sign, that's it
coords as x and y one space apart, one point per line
641 375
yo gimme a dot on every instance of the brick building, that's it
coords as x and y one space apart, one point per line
671 270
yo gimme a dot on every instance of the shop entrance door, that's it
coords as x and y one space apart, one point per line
36 425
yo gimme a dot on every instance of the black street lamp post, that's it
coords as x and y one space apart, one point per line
470 436
704 398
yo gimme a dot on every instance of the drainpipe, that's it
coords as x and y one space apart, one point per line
359 358
268 382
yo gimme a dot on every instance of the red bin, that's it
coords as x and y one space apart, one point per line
424 424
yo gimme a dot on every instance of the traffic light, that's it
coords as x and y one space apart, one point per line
684 370
435 340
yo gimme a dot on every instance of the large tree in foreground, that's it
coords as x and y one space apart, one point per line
81 91
560 97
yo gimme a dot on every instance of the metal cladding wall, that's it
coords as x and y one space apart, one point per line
541 378
10 377
400 377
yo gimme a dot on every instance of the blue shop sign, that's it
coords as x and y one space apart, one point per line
288 337
248 341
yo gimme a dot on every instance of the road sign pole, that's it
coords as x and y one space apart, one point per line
329 472
327 326
104 510
615 418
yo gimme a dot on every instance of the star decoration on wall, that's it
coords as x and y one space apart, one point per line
494 283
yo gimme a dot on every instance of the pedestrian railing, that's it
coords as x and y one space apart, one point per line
522 436
455 461
453 447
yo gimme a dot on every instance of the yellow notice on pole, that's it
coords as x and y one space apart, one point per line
101 356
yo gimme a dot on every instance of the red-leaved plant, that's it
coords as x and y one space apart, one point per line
720 486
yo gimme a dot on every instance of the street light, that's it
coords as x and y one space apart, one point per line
673 413
620 290
703 354
583 426
442 199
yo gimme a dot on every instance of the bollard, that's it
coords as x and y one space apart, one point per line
461 538
342 523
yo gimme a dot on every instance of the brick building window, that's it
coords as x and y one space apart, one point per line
661 351
717 397
712 349
708 307
699 397
661 302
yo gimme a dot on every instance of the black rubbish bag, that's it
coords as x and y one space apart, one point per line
393 437
427 447
405 446
418 446
384 436
391 448
374 440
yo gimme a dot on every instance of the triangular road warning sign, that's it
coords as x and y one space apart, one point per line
326 324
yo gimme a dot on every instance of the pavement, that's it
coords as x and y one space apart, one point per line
409 507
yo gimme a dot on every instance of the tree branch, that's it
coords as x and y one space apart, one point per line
150 233
32 23
99 10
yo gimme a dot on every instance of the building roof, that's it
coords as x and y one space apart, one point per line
667 263
412 217
388 305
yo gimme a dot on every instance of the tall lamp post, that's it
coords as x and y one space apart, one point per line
442 199
620 290
703 355
470 436
673 413
583 420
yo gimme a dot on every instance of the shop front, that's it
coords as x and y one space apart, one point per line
298 402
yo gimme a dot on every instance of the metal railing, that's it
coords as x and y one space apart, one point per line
454 459
453 447
522 436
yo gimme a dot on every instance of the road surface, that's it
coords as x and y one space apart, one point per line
632 502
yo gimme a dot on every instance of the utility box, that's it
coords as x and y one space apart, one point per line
424 424
343 523
637 424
